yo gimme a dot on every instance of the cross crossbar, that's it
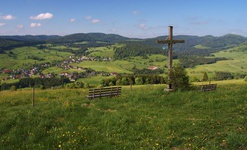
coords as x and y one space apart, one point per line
169 41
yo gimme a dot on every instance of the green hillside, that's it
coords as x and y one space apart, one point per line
236 62
23 57
142 118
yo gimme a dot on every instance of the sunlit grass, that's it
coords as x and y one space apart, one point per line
145 117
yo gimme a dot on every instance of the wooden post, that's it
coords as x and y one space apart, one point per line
33 96
170 56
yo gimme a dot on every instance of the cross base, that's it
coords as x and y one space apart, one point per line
169 88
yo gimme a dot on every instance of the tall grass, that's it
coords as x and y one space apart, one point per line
145 117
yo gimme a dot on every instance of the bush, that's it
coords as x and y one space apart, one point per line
179 78
119 82
79 84
41 87
205 77
13 88
138 81
87 85
124 81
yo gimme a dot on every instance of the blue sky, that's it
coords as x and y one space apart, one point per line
131 18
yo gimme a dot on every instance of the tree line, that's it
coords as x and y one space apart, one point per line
35 82
132 49
133 80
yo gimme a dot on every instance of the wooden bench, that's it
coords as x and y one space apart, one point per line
104 92
208 87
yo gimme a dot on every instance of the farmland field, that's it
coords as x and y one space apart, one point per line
236 63
26 56
145 117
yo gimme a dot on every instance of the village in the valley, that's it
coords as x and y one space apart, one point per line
36 70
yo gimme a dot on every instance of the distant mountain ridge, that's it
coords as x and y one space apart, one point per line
91 37
112 38
207 43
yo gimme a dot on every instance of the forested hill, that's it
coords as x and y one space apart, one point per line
30 38
91 37
203 46
72 38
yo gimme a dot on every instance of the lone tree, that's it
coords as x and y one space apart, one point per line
205 77
179 78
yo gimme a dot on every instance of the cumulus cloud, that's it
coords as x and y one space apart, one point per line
42 16
95 21
72 20
7 17
33 25
2 24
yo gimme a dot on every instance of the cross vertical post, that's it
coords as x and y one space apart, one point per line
170 55
170 43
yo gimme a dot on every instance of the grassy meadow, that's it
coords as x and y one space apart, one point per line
145 117
22 57
236 63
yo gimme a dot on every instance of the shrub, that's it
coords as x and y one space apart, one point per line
138 81
124 81
79 84
87 85
119 82
179 78
41 87
205 77
13 88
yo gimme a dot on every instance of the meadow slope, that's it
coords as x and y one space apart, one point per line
145 117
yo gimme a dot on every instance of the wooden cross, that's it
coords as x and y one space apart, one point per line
170 43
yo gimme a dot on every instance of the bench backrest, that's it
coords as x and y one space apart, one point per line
102 92
105 89
208 87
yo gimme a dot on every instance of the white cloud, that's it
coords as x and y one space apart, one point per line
72 20
42 16
2 24
20 26
88 18
95 21
142 26
35 25
7 17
